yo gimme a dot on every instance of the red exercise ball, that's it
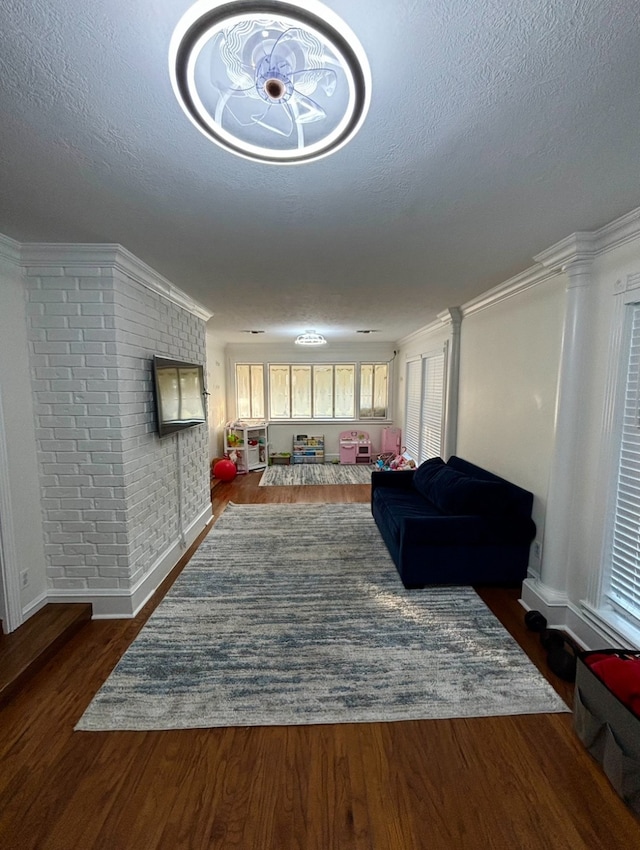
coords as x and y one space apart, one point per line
225 470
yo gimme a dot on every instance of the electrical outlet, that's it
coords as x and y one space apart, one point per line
24 578
537 550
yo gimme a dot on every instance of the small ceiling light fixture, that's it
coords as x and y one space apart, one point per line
368 331
278 81
310 338
252 332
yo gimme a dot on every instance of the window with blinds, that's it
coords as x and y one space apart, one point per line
432 406
413 408
623 586
305 391
250 390
373 390
424 407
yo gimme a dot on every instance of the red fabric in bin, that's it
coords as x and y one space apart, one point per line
593 657
620 675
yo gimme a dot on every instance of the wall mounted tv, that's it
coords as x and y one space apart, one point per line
180 394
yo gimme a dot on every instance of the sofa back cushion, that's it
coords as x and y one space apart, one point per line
521 500
424 473
455 493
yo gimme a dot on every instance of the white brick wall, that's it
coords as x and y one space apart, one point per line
110 498
149 324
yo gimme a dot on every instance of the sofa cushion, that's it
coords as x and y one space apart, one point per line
424 473
394 506
455 493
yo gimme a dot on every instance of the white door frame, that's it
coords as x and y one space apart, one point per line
10 605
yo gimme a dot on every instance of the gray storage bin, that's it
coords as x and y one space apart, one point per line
610 731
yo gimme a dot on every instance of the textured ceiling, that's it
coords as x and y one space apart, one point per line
495 129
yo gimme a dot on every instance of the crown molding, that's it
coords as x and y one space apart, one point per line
585 245
10 250
514 286
619 232
114 257
579 247
436 325
451 316
135 269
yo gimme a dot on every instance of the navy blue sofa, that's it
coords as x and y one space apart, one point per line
453 523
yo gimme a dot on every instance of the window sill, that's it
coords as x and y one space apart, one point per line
616 628
361 422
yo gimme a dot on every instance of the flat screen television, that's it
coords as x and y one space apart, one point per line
180 395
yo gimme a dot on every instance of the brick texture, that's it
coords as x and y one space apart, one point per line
115 497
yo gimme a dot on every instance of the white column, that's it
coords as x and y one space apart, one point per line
572 379
453 317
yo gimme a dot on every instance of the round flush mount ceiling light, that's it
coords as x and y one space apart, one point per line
274 81
310 338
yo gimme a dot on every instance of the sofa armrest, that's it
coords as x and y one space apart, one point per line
467 530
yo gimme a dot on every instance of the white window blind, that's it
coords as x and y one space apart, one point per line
279 392
623 590
373 390
320 391
344 403
413 408
301 392
249 391
424 407
432 398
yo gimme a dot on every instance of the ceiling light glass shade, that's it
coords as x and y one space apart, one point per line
273 81
310 338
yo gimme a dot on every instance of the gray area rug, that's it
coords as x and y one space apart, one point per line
295 614
316 473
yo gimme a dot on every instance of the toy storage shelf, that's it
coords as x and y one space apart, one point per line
249 442
308 449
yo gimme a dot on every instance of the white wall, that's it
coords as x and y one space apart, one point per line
24 524
281 436
119 503
217 388
509 360
509 354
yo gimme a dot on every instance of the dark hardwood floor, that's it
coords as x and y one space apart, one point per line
467 784
26 650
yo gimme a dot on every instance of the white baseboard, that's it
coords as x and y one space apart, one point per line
563 614
34 606
119 604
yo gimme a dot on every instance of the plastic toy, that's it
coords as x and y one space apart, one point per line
392 461
384 459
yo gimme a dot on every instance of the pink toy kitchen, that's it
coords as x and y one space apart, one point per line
355 447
